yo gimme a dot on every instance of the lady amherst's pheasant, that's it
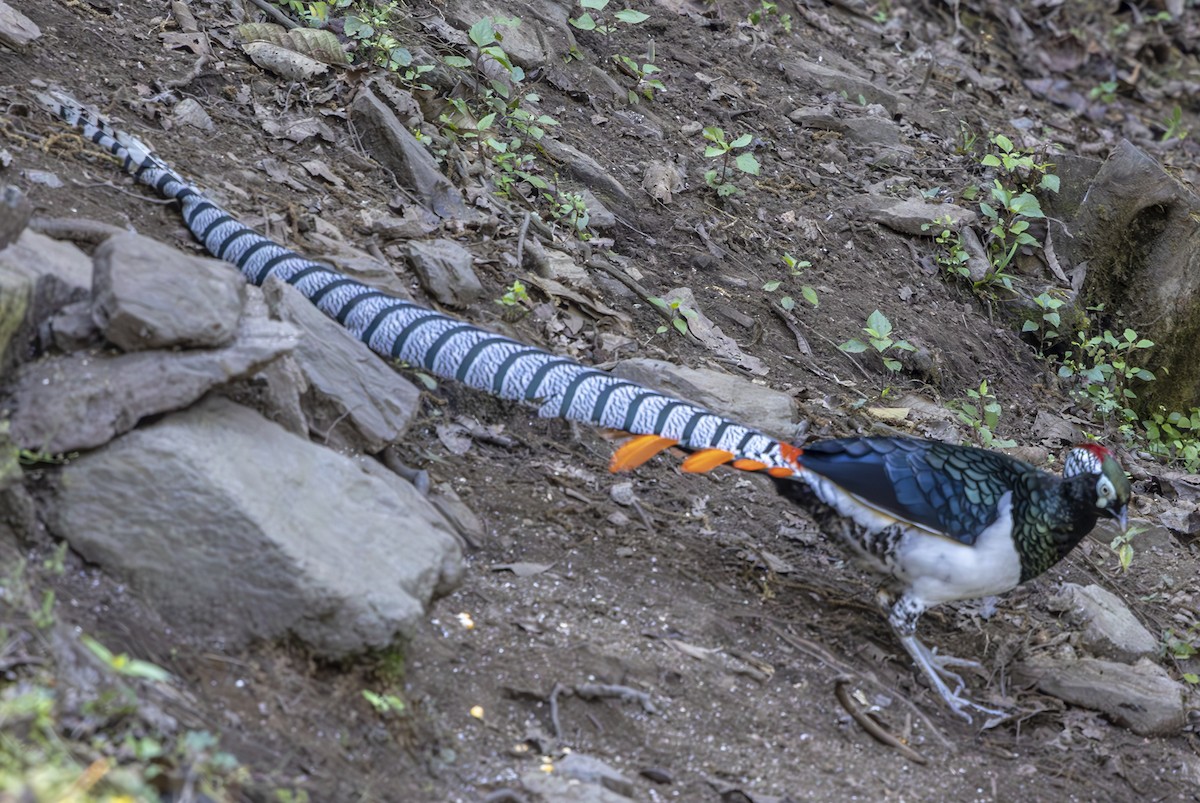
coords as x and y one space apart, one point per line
939 522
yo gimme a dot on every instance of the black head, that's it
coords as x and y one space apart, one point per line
1112 486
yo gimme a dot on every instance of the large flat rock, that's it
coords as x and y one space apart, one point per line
236 530
81 400
147 295
349 386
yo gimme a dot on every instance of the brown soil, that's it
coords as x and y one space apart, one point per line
671 596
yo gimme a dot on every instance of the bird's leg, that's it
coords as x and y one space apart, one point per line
902 615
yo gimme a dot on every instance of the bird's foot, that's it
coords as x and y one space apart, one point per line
942 663
936 671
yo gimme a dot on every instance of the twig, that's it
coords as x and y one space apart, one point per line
505 796
275 13
876 730
179 83
593 691
554 721
853 361
789 321
624 278
821 654
521 240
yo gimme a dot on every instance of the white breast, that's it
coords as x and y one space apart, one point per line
941 569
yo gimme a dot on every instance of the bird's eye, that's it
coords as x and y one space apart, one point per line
1105 488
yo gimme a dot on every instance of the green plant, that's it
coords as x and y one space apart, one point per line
981 411
879 336
767 10
570 208
1105 92
1173 126
795 268
598 23
722 149
124 665
56 563
967 139
1183 647
516 295
680 315
385 703
1104 367
1175 436
952 254
1048 322
643 73
1013 206
43 617
1122 545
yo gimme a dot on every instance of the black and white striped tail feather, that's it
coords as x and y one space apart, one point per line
401 330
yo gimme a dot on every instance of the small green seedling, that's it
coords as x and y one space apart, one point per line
124 665
644 75
795 268
1049 320
598 24
1173 126
385 703
721 149
982 412
680 315
879 331
516 296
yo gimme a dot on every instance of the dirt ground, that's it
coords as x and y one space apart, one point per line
705 594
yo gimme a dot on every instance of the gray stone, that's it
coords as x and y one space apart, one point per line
81 401
458 513
237 530
146 295
909 215
15 211
1110 630
701 327
16 30
599 216
868 130
1182 518
526 44
590 769
821 79
1139 229
38 276
588 171
348 385
560 789
72 328
386 138
444 268
1141 697
772 411
36 256
10 464
16 295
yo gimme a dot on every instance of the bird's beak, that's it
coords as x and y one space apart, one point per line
1122 517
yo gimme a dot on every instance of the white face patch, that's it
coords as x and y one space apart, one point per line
1105 492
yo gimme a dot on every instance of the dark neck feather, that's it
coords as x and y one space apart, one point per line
1054 523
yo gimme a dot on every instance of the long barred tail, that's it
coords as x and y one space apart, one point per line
445 346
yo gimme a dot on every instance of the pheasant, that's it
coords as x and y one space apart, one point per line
938 522
942 522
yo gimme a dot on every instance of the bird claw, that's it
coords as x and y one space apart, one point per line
941 664
935 669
